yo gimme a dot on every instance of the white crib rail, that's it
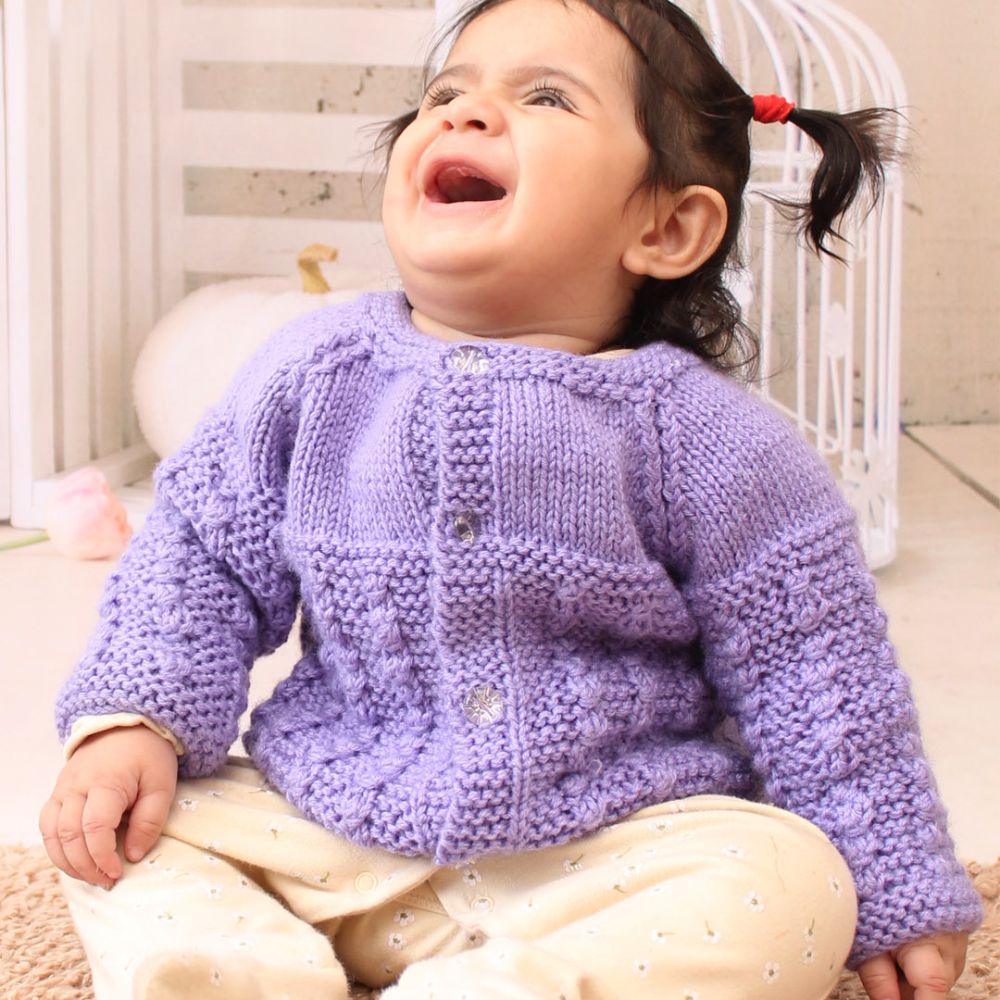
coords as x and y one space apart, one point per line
80 239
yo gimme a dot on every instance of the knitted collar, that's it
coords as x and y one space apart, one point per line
398 340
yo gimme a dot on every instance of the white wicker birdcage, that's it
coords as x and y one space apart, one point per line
830 333
150 146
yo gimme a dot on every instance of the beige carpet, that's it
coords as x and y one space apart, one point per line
41 958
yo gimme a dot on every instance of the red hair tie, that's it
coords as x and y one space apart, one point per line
769 108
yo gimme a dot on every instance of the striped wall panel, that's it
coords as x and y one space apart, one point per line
278 109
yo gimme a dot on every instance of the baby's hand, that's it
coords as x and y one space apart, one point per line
110 772
927 969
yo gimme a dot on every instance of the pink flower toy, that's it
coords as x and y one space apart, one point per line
84 518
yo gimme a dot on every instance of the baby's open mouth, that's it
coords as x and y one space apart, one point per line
457 182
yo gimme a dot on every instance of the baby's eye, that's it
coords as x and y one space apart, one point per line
553 94
439 95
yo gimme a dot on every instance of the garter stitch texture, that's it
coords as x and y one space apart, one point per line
534 586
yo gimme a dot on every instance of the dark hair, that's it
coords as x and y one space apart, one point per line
695 118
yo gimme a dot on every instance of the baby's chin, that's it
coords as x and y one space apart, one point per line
479 318
513 292
473 300
510 319
441 256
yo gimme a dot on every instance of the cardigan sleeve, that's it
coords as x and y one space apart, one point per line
796 647
203 589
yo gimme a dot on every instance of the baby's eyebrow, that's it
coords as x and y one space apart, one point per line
518 75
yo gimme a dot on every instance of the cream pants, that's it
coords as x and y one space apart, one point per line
705 898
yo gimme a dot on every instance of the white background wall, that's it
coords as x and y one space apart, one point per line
951 284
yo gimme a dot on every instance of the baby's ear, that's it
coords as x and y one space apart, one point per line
676 232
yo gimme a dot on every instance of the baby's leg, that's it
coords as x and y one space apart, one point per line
201 916
185 923
706 897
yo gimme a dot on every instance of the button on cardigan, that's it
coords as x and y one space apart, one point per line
539 591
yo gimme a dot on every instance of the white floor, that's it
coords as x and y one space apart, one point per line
942 595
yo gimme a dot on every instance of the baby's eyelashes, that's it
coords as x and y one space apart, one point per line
552 93
439 94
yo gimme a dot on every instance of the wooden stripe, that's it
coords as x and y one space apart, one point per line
241 245
287 194
335 143
345 35
312 89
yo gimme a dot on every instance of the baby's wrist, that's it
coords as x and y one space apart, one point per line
91 725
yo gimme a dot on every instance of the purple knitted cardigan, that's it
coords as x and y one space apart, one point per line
534 585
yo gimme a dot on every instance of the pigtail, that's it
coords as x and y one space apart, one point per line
856 147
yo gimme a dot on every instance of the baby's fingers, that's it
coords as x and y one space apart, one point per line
48 827
925 970
74 843
879 978
146 820
101 816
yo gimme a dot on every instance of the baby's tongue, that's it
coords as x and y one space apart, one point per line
458 183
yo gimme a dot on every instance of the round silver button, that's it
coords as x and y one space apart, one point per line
469 359
483 705
466 523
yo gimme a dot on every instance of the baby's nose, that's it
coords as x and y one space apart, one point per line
473 112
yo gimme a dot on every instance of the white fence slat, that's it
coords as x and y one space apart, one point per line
252 245
358 36
73 243
139 197
29 249
106 220
276 141
168 98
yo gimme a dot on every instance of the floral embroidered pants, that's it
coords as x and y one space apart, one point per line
705 898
